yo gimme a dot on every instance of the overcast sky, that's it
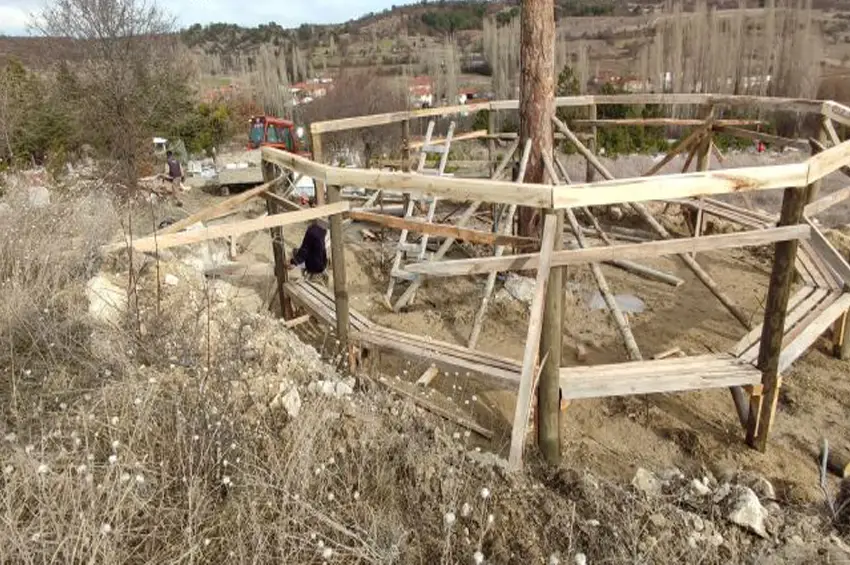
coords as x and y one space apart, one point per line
14 14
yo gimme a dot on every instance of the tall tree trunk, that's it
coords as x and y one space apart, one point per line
536 94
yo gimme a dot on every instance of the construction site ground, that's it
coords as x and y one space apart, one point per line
612 436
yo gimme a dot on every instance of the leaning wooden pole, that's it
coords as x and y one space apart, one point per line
763 407
278 248
532 341
338 265
704 277
536 94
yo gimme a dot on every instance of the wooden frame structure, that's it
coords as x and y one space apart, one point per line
752 369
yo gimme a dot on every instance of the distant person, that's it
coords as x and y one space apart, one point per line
312 256
174 172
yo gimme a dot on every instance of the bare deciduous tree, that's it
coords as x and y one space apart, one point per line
133 72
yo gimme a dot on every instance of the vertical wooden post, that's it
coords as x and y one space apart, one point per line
813 189
703 163
763 407
317 157
281 273
551 341
590 172
537 95
405 145
491 142
338 265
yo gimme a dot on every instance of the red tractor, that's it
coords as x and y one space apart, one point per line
268 131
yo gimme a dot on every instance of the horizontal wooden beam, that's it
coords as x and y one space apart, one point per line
154 243
681 185
451 188
836 111
462 137
822 204
529 261
661 122
444 230
828 161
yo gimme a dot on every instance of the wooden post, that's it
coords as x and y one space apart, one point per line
338 265
281 273
405 146
532 343
317 157
813 189
590 173
763 408
491 142
551 341
537 94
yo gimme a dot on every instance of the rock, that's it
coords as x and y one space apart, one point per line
344 389
796 540
671 474
716 539
698 488
107 300
290 401
646 482
38 196
580 559
762 487
171 280
748 512
521 288
327 388
658 520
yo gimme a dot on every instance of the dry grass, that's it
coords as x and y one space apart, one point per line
154 441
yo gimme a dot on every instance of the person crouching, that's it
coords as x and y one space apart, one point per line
312 256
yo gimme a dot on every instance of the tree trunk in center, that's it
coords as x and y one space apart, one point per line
536 95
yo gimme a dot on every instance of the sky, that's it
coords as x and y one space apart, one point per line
14 14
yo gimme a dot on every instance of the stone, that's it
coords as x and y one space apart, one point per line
658 520
327 388
107 300
716 539
699 488
343 389
290 401
171 280
646 482
521 288
747 512
671 474
580 559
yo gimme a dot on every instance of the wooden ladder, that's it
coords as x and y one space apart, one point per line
411 210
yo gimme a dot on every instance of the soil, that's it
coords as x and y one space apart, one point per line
613 436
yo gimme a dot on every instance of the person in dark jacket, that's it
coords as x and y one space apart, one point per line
312 255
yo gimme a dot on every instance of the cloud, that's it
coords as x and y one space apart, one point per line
14 14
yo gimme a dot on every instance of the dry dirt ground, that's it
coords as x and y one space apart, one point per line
614 436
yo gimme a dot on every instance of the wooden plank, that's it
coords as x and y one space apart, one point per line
532 342
477 134
836 111
681 185
452 188
752 337
153 243
436 409
828 161
442 230
829 254
500 377
428 376
221 208
818 146
825 203
297 321
394 117
806 338
683 145
824 276
529 261
729 374
661 122
830 131
321 295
